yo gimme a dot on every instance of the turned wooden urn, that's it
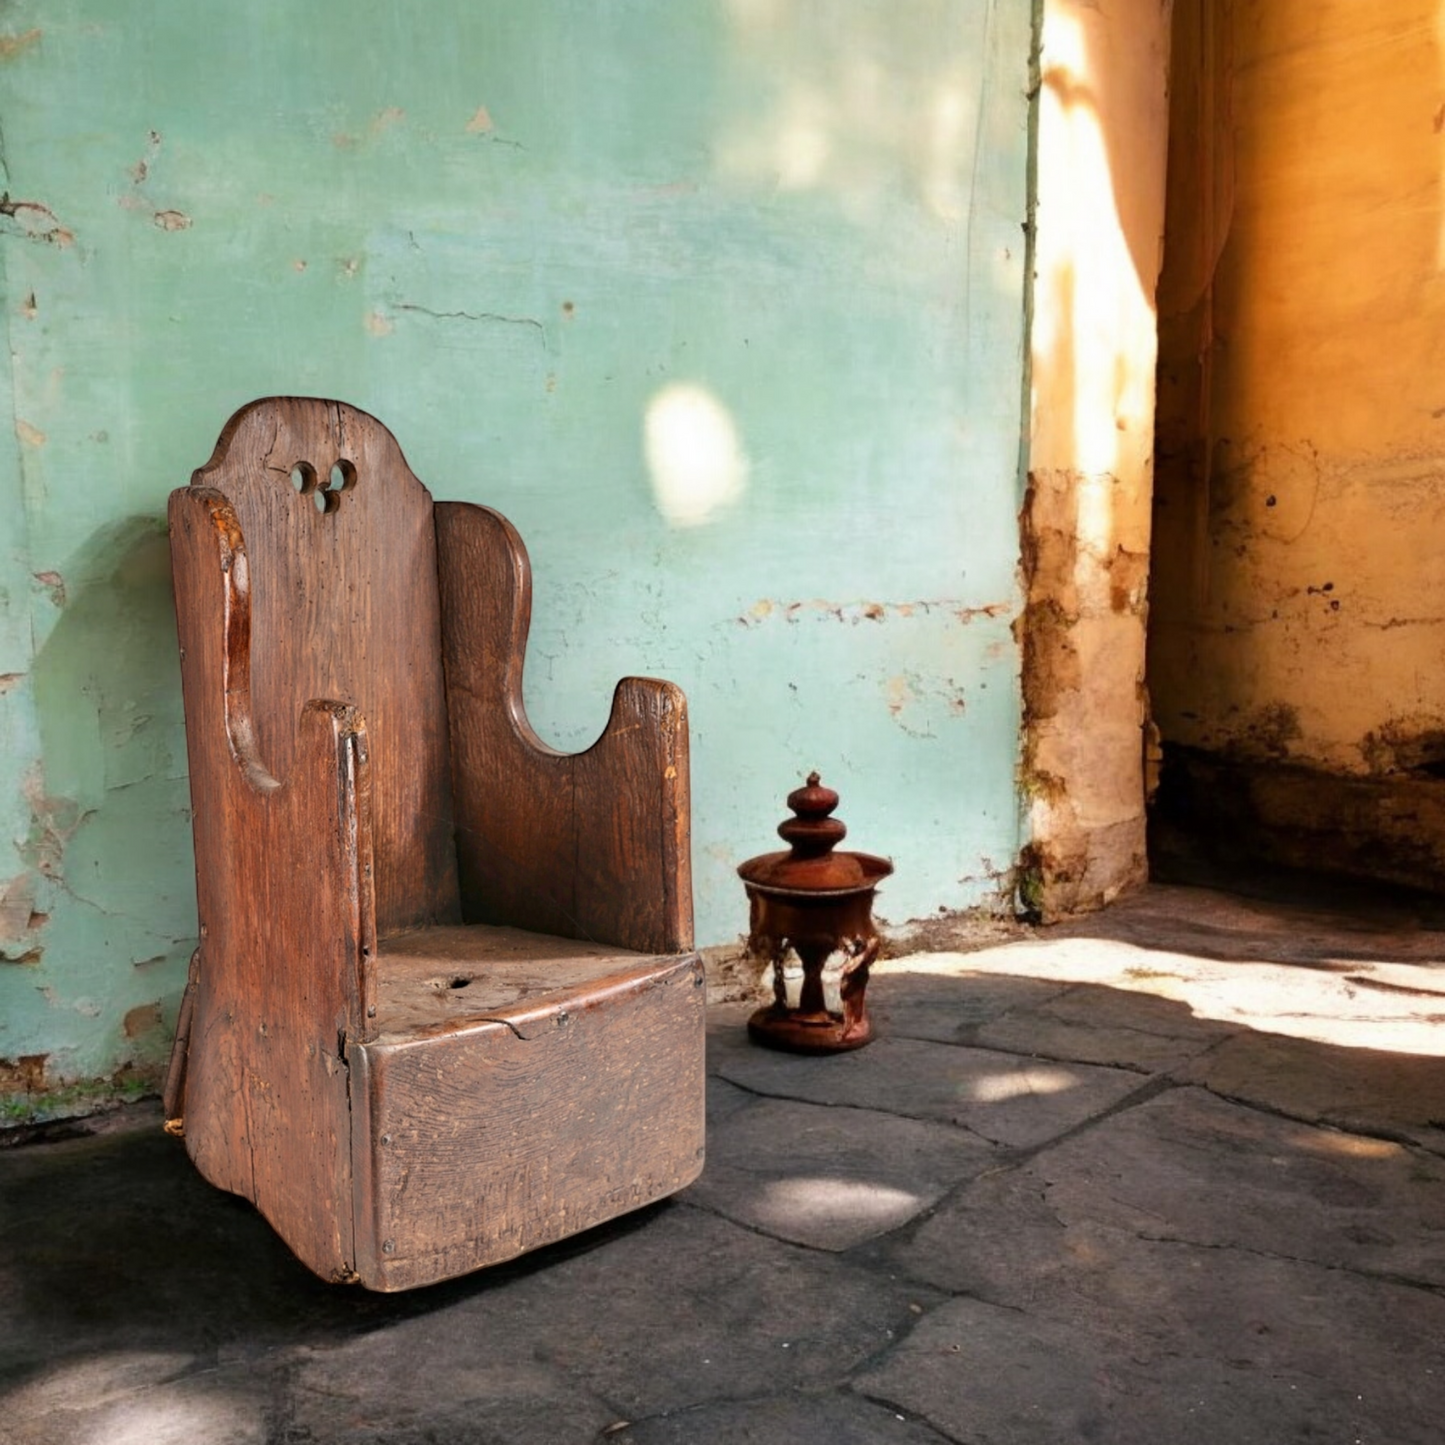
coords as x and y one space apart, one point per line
814 903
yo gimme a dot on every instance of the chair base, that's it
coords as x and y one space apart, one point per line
478 1140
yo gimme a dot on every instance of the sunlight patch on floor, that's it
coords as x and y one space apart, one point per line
1018 1084
1375 1004
820 1198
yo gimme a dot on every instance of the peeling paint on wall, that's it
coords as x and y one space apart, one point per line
33 221
13 45
855 612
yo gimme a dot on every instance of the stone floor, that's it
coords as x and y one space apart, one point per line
1174 1175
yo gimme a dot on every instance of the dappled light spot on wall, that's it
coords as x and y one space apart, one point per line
1018 1084
694 455
804 141
1093 315
857 110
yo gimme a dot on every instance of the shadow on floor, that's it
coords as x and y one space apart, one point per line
125 1246
1275 916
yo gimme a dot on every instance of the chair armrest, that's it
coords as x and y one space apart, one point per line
212 578
249 825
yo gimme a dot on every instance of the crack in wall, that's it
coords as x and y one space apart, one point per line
493 317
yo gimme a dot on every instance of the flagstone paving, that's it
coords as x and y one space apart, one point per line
1172 1174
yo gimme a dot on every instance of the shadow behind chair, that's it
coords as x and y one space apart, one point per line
444 1007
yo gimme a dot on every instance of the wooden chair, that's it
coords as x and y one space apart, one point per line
444 1007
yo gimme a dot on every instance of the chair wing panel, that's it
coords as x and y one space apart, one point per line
589 845
344 605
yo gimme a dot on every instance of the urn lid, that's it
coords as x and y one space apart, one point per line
811 865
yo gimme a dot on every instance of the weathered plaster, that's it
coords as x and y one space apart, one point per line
542 247
1099 226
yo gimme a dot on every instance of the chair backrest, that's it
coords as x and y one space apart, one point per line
341 547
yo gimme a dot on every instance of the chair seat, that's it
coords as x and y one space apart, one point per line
433 979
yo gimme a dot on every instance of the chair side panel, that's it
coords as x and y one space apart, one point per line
262 1083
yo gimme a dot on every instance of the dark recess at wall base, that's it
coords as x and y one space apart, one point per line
1216 818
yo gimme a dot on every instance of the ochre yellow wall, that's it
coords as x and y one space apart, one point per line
1298 577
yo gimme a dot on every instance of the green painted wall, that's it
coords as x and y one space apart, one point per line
719 300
